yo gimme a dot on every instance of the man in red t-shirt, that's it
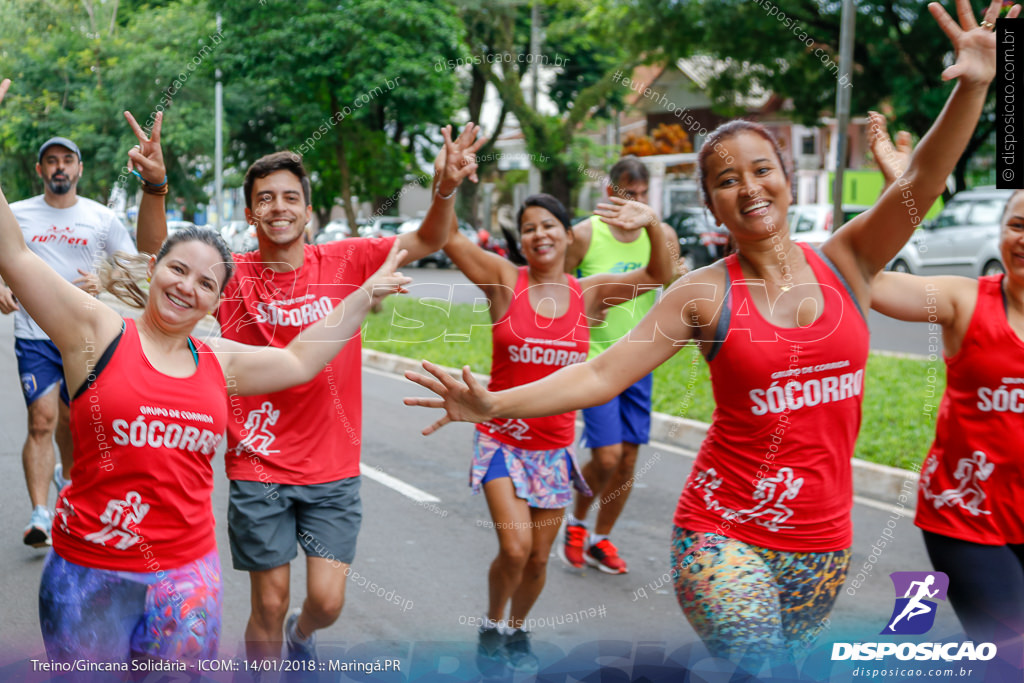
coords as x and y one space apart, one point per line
293 456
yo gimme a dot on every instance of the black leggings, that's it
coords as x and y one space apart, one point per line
986 585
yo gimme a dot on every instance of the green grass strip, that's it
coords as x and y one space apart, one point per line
901 395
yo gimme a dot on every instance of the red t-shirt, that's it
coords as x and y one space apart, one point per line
311 433
527 347
774 470
141 484
973 474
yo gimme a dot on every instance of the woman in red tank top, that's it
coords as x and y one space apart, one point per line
526 467
968 503
134 574
763 525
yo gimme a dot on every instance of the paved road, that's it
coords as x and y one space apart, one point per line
422 567
451 285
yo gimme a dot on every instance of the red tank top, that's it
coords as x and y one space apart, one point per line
527 347
973 474
774 470
141 484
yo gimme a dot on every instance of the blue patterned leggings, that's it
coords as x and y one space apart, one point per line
113 616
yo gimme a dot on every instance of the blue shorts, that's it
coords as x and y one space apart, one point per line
40 368
624 419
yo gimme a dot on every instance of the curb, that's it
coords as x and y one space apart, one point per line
880 483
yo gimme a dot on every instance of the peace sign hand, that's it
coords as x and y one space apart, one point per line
147 158
975 44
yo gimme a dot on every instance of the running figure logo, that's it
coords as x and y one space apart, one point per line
770 493
119 517
257 437
969 494
914 613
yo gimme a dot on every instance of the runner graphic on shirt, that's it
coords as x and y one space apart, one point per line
915 607
969 495
769 492
257 435
119 517
64 510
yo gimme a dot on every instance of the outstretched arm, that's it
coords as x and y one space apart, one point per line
869 241
604 290
263 370
71 318
460 164
916 299
658 336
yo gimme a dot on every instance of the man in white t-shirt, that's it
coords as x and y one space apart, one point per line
73 235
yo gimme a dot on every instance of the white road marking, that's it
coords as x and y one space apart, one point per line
861 500
407 490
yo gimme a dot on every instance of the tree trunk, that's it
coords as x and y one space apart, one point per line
323 217
556 182
343 169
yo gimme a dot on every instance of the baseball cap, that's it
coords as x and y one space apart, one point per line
63 142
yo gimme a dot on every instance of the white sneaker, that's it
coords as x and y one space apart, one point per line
37 533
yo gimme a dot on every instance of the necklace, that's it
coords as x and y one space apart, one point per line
785 288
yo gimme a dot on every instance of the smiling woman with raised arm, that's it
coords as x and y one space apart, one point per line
782 327
527 467
968 498
134 572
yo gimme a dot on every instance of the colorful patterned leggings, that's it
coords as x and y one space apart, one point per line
113 616
749 603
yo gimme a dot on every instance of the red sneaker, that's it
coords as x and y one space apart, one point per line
605 557
571 550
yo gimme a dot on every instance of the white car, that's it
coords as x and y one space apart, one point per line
812 223
962 240
175 226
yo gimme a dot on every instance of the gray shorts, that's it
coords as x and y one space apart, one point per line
264 529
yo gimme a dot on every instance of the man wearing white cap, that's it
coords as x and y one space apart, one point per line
72 234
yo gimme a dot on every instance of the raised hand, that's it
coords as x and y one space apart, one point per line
146 159
8 304
975 44
88 283
627 214
459 160
387 280
4 85
892 157
465 401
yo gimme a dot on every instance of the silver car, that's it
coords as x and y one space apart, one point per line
962 240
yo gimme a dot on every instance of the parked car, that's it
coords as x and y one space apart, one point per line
701 242
175 226
332 232
812 223
230 230
381 226
962 240
438 259
244 240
